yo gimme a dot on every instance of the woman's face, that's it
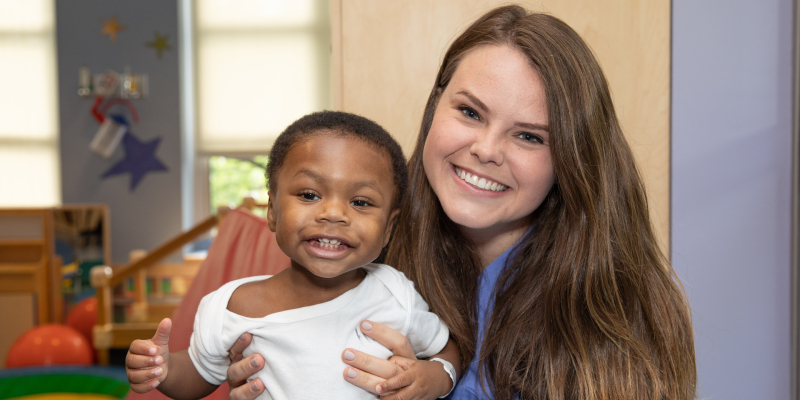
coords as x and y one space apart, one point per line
487 155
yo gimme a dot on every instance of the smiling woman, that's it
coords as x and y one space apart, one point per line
490 132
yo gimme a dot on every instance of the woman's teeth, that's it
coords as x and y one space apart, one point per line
329 243
481 183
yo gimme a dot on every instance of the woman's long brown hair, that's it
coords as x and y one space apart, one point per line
591 308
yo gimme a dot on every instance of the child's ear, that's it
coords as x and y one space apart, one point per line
270 212
390 226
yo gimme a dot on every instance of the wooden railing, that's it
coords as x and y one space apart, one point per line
107 334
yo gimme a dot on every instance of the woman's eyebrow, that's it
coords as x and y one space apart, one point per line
533 127
484 108
475 100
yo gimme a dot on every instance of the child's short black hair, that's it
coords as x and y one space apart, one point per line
344 124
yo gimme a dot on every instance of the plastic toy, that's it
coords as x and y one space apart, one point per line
50 344
83 316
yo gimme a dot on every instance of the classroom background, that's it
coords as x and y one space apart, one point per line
129 131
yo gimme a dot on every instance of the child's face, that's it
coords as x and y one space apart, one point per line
332 209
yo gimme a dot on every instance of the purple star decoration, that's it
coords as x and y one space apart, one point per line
140 158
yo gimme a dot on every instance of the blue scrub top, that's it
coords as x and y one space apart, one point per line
469 387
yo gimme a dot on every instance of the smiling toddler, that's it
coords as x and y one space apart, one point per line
336 181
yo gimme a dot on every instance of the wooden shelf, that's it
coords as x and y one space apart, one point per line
20 242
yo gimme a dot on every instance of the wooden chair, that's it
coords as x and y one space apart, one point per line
243 247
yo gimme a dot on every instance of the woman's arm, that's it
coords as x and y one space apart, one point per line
402 374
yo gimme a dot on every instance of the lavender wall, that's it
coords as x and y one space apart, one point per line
731 180
150 215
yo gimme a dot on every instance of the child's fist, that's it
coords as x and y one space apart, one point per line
146 362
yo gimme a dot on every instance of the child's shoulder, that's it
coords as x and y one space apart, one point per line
397 283
383 271
254 298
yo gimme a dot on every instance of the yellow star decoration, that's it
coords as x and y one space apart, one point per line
160 43
110 28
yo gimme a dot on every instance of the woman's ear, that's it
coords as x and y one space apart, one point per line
271 212
390 226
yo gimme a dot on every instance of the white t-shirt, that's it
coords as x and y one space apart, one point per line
303 347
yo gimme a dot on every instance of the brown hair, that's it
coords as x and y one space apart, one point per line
591 307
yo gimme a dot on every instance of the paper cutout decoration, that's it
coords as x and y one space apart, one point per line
160 44
111 28
109 135
140 158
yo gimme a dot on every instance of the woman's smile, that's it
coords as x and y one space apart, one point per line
479 181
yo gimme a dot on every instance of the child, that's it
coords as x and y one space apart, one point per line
336 181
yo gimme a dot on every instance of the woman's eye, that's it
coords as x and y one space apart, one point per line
529 137
309 196
469 112
360 203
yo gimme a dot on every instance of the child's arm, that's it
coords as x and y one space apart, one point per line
407 376
149 364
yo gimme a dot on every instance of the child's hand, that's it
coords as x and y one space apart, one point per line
419 379
402 376
146 362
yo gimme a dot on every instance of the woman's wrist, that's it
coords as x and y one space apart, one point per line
451 371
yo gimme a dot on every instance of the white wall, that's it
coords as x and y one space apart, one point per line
731 180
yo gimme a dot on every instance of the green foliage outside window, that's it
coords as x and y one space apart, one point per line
232 179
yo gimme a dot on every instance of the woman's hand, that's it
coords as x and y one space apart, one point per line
241 369
402 376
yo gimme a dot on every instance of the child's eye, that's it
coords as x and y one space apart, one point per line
470 113
360 203
309 196
529 137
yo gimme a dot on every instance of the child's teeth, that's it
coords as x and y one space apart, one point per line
328 243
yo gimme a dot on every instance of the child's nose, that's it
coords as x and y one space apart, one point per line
334 211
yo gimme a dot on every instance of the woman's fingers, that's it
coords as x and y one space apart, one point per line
235 353
248 391
362 379
388 337
371 365
239 371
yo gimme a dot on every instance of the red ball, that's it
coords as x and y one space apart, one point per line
49 344
83 316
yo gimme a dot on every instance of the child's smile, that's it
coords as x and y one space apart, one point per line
332 204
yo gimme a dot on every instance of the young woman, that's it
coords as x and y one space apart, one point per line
528 232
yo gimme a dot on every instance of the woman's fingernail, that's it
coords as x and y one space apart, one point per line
254 387
349 356
351 373
366 325
157 371
253 362
151 350
378 389
158 360
241 337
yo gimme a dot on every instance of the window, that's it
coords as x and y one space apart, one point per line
28 105
260 65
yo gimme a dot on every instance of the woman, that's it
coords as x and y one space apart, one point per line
529 232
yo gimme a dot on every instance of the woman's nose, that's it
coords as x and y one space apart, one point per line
333 211
487 147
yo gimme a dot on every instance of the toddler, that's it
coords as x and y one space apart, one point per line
336 181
